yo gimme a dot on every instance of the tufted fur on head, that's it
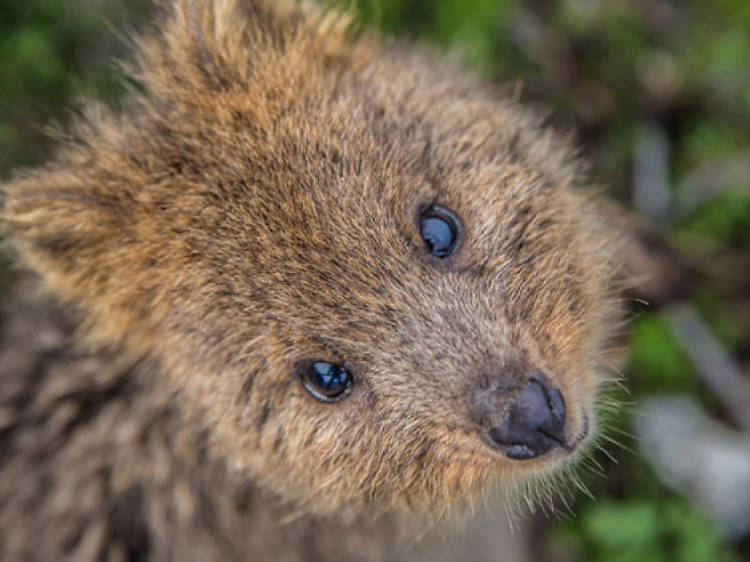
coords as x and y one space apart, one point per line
257 204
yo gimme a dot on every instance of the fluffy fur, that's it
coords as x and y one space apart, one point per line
256 204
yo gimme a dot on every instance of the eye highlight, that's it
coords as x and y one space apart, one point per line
440 229
326 381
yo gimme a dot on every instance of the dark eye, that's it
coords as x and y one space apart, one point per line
440 230
326 381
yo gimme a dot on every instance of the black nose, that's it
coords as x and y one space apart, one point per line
535 423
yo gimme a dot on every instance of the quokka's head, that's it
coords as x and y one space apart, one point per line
378 281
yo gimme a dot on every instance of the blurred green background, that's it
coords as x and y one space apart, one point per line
658 93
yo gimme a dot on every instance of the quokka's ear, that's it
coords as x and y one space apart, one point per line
203 43
81 221
216 44
70 219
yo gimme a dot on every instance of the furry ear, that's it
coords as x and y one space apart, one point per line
76 221
202 44
60 217
214 45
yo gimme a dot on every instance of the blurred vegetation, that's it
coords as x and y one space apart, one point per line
52 53
656 81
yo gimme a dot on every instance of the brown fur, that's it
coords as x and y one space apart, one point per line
257 205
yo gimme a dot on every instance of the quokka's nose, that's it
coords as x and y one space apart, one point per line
535 422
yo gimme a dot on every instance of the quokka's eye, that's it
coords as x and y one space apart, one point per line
328 382
440 230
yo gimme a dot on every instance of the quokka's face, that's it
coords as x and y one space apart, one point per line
376 280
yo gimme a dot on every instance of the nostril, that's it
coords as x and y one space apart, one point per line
535 422
556 404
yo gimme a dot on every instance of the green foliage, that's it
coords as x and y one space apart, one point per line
475 31
52 52
645 530
726 219
656 360
709 139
